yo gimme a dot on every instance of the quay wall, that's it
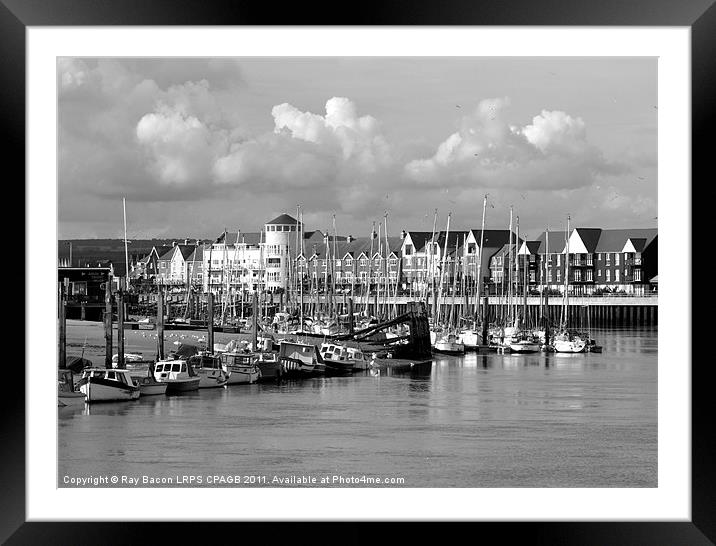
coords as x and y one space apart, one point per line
605 311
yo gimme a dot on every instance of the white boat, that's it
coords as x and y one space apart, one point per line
524 343
129 358
66 393
470 338
449 344
299 359
240 367
177 375
107 385
568 342
209 369
343 357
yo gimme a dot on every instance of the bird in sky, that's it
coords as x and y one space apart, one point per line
457 106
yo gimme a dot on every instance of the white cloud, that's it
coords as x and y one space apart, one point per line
550 153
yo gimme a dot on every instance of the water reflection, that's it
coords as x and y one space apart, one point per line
482 420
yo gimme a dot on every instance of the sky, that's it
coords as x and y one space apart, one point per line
199 145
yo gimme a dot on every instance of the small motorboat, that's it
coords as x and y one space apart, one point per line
129 358
269 367
449 344
209 369
177 375
66 393
241 367
470 338
343 358
300 359
107 385
149 386
568 342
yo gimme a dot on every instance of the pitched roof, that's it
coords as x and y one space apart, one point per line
590 237
533 246
493 238
283 219
419 238
613 240
250 238
186 250
556 242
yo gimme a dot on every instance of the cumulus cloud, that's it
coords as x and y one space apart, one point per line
550 153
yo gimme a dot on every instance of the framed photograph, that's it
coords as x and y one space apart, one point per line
399 268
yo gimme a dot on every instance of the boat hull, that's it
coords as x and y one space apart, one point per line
103 390
449 348
524 348
269 371
65 399
153 389
569 346
243 376
182 385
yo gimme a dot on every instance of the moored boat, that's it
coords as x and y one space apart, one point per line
149 386
66 393
449 344
241 367
568 342
299 359
107 385
177 375
269 367
209 369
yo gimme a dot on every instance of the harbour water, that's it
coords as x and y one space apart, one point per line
543 420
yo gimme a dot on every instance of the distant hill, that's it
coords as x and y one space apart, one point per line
94 251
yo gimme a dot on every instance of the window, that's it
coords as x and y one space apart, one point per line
408 250
616 259
549 276
559 275
559 260
637 274
588 275
599 272
609 258
616 274
532 276
577 275
608 275
176 367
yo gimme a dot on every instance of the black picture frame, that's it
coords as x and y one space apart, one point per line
699 15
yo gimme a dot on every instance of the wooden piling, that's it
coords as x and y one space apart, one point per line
255 323
108 322
210 321
62 360
351 326
160 324
485 312
120 325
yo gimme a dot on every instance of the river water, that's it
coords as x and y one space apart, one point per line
587 420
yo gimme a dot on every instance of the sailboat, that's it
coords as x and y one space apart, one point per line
566 340
523 339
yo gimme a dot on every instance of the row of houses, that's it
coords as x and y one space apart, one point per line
282 255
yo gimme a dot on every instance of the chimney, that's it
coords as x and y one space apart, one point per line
403 234
174 243
197 242
186 242
349 239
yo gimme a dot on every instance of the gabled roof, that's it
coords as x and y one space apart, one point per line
493 238
197 255
419 238
284 220
532 246
590 237
613 240
635 244
186 250
556 242
505 250
168 254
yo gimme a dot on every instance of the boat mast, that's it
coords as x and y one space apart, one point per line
566 273
334 303
479 257
126 252
509 274
431 267
442 269
300 280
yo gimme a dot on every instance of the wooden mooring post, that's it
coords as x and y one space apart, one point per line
255 323
210 321
120 325
62 360
160 324
108 322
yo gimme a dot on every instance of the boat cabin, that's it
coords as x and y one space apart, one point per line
205 361
120 376
171 369
298 351
231 360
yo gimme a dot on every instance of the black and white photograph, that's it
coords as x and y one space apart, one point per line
320 272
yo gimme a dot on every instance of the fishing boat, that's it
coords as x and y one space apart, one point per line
149 386
178 376
269 367
107 385
449 344
299 359
66 393
241 367
209 369
351 355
